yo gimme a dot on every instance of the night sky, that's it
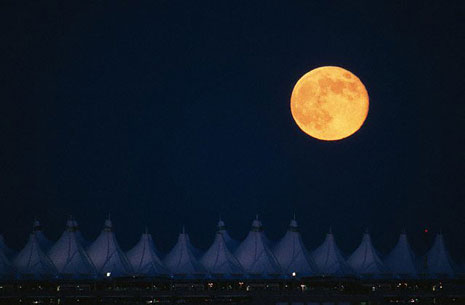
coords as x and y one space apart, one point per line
171 113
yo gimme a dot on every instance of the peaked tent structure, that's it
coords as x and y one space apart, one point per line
44 242
7 251
438 260
31 262
69 257
144 259
292 255
230 243
365 259
107 256
401 260
181 260
329 259
219 261
254 254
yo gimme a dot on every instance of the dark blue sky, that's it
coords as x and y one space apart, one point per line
166 113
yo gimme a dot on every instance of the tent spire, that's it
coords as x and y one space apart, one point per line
36 225
144 258
330 230
293 226
254 253
106 254
365 260
108 224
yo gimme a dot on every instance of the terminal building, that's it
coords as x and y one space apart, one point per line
227 270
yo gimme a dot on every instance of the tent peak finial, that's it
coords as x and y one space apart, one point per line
256 225
330 230
221 225
293 226
108 225
70 224
36 225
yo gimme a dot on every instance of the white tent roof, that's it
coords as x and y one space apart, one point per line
106 254
31 261
232 244
329 259
68 255
365 259
291 253
219 260
438 259
7 251
255 255
144 258
44 242
182 260
401 260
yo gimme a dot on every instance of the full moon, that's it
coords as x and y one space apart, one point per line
329 103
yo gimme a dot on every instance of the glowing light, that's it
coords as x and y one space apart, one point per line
329 103
108 274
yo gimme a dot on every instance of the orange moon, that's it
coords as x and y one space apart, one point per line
329 103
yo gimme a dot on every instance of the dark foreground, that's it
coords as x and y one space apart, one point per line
292 291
